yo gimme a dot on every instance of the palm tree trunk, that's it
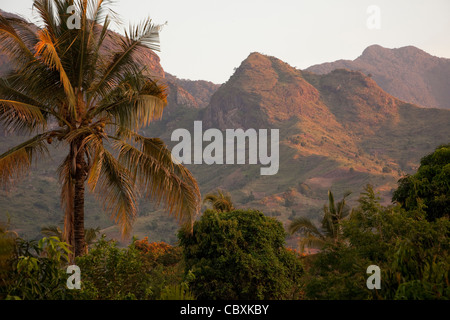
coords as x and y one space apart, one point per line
78 219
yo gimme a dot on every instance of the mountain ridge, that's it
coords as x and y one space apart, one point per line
338 130
407 73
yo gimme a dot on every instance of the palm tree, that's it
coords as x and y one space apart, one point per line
68 87
330 231
90 234
53 231
220 201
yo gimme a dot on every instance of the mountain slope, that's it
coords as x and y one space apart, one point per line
338 131
407 73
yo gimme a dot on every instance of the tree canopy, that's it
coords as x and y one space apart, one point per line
429 186
240 254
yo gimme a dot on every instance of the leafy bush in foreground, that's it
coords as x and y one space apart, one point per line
240 255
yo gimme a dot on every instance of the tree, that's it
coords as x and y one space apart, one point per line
70 88
429 186
90 234
411 252
331 226
220 201
38 271
113 273
240 254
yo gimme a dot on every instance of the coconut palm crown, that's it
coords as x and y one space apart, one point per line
69 89
220 201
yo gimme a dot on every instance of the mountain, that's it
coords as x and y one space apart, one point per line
407 73
339 130
200 91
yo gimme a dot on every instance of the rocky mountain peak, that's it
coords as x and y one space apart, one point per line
408 73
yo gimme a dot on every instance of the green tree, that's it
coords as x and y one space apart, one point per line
70 87
240 255
140 271
411 252
429 186
112 273
38 270
220 201
330 232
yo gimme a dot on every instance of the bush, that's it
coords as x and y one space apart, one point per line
143 270
429 187
240 255
140 271
411 252
38 270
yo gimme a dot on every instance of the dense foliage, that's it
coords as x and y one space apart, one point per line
411 252
429 186
240 255
36 270
143 270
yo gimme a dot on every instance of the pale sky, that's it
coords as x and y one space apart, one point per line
207 39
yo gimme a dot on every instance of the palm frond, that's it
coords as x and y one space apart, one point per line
91 234
304 225
12 89
342 207
165 182
311 241
47 14
17 161
331 205
137 113
144 35
134 101
37 85
47 52
16 40
115 188
52 231
220 201
329 223
20 116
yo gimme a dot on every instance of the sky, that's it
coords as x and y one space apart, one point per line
207 39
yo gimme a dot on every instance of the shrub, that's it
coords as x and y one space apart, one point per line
429 186
240 255
143 270
38 270
411 252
